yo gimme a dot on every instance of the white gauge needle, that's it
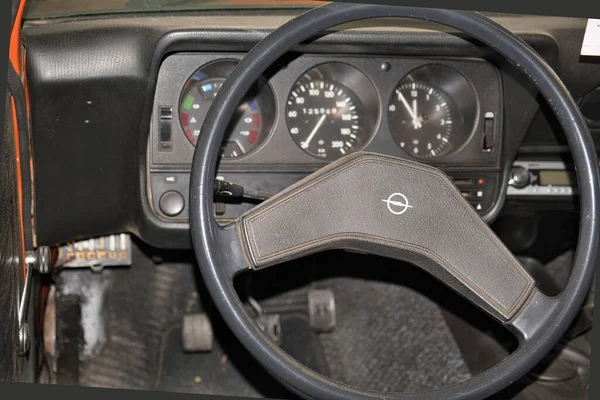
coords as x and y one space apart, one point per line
240 145
416 121
412 114
314 131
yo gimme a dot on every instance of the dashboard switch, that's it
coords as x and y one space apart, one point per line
519 177
171 203
164 128
488 132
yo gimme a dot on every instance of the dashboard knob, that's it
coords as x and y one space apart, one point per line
519 177
171 203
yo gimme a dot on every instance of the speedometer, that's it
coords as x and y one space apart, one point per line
325 119
325 116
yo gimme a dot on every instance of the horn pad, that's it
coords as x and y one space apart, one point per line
394 208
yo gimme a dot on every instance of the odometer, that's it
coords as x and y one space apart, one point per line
325 118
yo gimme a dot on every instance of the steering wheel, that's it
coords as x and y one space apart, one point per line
440 231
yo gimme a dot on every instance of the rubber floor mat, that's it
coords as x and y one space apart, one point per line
131 320
388 337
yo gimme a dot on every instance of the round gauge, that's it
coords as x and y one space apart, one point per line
249 127
325 116
325 119
425 119
422 113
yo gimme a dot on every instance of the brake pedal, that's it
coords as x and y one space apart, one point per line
321 310
319 305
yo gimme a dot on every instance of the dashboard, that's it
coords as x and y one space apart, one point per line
311 109
117 105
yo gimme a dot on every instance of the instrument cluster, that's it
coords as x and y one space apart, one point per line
311 109
333 109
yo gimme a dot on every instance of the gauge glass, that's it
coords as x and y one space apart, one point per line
249 126
246 126
325 118
433 111
421 119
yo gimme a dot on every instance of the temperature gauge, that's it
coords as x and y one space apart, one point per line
250 125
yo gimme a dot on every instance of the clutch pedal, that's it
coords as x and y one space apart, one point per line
197 333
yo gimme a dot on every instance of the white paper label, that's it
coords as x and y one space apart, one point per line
591 39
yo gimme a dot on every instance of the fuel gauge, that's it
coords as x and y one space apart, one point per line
250 125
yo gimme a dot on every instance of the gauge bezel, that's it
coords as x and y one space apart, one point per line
460 92
356 81
261 93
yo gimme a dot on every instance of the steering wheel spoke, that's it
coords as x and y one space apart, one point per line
233 259
527 322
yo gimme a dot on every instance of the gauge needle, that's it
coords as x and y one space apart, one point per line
314 131
417 121
415 108
412 113
240 145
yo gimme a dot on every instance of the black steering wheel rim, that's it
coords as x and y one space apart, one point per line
212 250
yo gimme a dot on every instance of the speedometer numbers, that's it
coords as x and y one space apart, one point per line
422 116
331 111
325 119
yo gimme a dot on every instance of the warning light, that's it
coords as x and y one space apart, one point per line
480 181
185 119
252 137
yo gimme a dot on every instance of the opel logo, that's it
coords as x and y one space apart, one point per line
397 203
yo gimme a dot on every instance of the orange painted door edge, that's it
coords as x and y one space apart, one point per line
15 57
